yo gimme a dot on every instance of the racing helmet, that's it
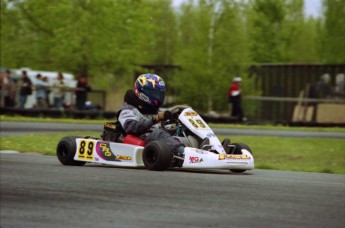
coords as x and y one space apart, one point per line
150 88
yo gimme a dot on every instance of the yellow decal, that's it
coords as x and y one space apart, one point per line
142 80
123 157
191 114
105 149
85 149
233 156
153 82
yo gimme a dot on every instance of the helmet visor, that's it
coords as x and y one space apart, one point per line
157 96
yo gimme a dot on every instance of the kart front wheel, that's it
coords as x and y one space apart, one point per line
238 150
156 156
66 150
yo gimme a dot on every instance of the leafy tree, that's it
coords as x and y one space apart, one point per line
212 40
104 38
333 45
280 32
266 18
212 50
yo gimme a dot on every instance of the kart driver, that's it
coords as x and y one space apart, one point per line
139 115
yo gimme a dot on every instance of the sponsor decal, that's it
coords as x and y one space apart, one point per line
195 159
103 150
109 125
144 97
191 114
233 156
123 157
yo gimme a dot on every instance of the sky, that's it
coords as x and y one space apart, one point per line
311 7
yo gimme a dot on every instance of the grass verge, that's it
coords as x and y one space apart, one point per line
295 154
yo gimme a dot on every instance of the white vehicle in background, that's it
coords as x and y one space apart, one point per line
69 80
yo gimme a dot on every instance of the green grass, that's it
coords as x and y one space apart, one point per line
50 120
297 154
41 143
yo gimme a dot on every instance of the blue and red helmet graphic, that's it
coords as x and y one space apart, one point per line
150 88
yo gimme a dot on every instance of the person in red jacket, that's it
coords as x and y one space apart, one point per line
234 96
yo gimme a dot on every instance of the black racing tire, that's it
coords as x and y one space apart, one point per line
156 156
239 147
66 150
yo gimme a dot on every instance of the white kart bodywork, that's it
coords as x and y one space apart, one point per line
125 155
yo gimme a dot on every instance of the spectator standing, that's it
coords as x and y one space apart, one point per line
45 79
4 87
234 96
58 91
81 94
25 89
41 92
322 88
10 100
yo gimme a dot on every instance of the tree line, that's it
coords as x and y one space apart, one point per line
212 40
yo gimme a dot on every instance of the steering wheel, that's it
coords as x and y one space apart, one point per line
170 125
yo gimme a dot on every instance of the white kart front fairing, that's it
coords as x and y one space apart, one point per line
193 121
198 158
202 159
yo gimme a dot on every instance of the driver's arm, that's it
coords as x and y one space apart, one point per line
133 124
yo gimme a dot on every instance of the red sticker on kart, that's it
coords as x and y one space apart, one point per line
233 156
194 159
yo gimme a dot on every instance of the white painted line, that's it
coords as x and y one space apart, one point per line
8 152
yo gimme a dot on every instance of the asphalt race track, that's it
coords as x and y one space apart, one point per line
37 191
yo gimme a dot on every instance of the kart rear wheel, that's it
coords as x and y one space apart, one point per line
238 150
66 150
156 156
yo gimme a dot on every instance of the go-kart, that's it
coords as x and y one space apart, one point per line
203 150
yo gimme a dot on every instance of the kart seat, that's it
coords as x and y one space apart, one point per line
113 132
133 140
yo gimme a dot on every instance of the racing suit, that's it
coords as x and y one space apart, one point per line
144 126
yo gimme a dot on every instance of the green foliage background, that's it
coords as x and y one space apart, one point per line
212 40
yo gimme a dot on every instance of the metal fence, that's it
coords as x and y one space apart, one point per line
284 86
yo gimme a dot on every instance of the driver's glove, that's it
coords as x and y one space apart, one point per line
161 116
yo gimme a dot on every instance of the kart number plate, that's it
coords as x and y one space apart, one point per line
197 123
86 149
